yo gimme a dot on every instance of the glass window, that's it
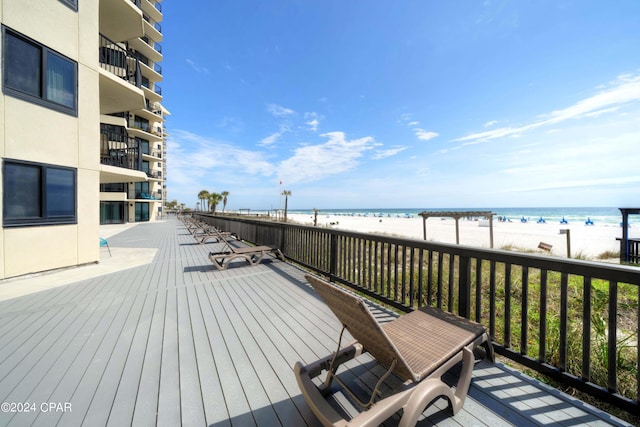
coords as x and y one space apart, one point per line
22 191
144 145
60 80
36 194
34 73
142 211
60 192
112 212
22 65
73 4
118 187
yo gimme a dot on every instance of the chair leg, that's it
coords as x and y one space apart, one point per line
431 389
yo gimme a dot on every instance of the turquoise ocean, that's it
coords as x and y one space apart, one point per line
597 215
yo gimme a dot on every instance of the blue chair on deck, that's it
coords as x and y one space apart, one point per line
104 242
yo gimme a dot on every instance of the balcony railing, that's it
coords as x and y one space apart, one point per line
117 60
153 23
118 149
561 317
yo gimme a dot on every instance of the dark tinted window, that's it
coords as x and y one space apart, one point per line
37 194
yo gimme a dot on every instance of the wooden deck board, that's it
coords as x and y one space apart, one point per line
236 404
262 355
176 342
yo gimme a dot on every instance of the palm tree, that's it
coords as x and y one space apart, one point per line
214 199
286 194
224 194
203 195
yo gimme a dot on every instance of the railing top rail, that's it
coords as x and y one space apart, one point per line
594 269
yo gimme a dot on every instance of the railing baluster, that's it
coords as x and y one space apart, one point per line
376 266
439 295
612 348
396 261
507 305
524 317
390 245
586 330
478 290
411 278
542 352
420 276
464 287
450 291
564 322
430 278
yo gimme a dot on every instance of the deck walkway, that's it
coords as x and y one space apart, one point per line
175 342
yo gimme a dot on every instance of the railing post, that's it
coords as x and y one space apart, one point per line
282 238
333 255
464 287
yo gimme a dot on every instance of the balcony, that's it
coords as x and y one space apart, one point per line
151 9
120 20
141 195
154 336
119 157
120 79
155 175
144 47
152 29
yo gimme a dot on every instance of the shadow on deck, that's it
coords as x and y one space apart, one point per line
175 342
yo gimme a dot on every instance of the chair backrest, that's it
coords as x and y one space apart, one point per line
103 242
354 314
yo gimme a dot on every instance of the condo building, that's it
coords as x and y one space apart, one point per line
82 136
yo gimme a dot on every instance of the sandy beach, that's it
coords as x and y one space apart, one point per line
586 241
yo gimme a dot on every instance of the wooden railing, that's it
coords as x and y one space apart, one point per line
558 316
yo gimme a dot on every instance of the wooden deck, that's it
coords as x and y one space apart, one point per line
175 342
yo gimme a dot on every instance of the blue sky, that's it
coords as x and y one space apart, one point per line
408 103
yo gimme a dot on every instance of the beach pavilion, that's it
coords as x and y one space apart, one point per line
457 215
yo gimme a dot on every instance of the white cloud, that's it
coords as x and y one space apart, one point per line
208 157
490 123
424 135
314 162
623 90
406 117
279 111
269 140
313 120
382 154
198 162
197 68
313 124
